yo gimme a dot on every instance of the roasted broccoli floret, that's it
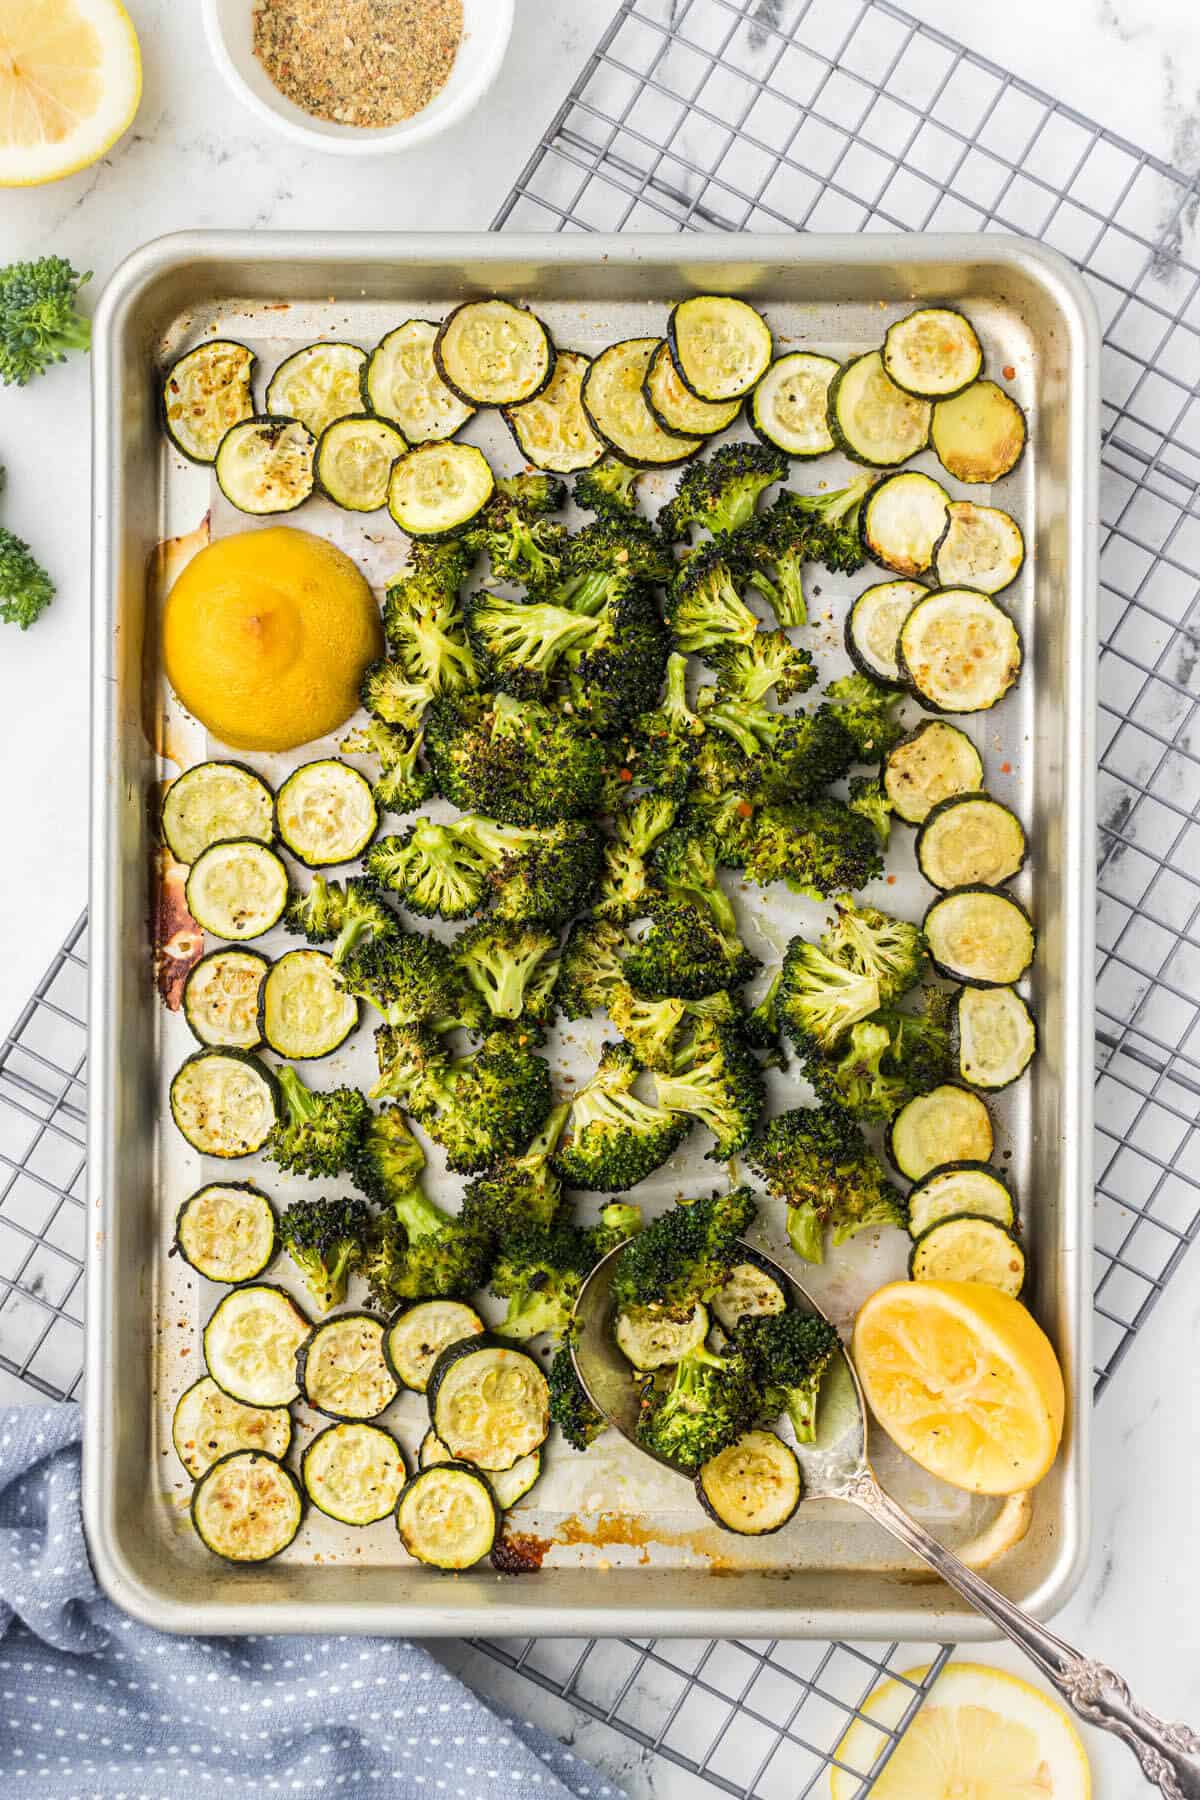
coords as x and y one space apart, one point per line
518 644
613 1139
873 943
410 980
820 998
722 492
39 319
607 488
836 515
685 955
819 847
921 1041
685 862
592 967
618 1222
316 1134
514 760
403 785
342 913
661 745
408 1056
325 1239
533 492
859 1076
704 607
390 696
715 1078
417 1251
425 630
389 1161
711 1401
625 879
570 1408
647 1026
528 551
519 1190
685 1255
437 870
762 1026
773 547
769 661
868 797
724 801
789 1353
549 875
869 714
789 756
25 588
513 967
539 1271
618 673
816 1160
607 557
479 1107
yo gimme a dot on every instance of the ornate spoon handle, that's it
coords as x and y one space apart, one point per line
1169 1754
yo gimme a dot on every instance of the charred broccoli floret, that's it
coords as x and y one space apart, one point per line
437 870
715 1078
518 644
721 493
921 1041
417 1251
39 318
816 1160
527 551
868 797
606 557
514 760
531 873
873 943
592 967
533 492
389 1161
820 998
704 606
859 1075
478 1107
403 785
710 1402
661 745
769 661
426 632
819 847
539 1271
762 1026
789 756
685 1255
410 980
869 714
317 1134
625 879
519 1190
647 1026
613 1139
570 1408
618 673
684 955
325 1239
549 875
343 913
789 1353
607 488
685 862
774 547
835 516
513 967
391 696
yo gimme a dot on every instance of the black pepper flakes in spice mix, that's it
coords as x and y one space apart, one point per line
370 63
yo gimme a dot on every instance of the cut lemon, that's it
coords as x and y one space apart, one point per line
70 82
981 1735
964 1380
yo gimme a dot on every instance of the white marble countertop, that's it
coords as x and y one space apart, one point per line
194 158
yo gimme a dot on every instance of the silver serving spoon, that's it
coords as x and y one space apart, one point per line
837 1466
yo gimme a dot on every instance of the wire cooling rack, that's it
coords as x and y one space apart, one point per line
839 115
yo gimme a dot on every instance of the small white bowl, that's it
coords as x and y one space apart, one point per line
487 27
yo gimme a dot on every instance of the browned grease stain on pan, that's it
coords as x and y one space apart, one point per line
177 940
167 562
619 1528
520 1553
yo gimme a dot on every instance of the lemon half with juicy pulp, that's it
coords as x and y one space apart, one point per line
981 1734
963 1378
266 636
70 82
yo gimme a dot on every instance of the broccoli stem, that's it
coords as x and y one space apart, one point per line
805 1233
418 1214
301 1103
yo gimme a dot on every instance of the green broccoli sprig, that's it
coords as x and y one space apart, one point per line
389 1161
710 1402
25 588
874 944
403 784
512 967
833 518
325 1239
418 1251
716 1079
869 713
607 488
721 493
817 1162
39 319
480 1107
318 1135
820 998
685 1255
570 1408
613 1139
519 1190
789 1353
539 1270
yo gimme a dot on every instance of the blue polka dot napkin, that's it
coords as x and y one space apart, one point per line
94 1706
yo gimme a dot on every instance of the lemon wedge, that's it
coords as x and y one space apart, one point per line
980 1733
964 1380
70 82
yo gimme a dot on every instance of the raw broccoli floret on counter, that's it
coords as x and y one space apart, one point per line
513 967
389 1160
519 1190
710 1402
613 1139
789 1353
426 632
316 1134
774 547
662 743
514 760
570 1408
325 1239
873 943
684 955
402 784
539 1270
39 318
816 1160
869 713
868 797
704 606
418 1251
770 661
834 519
819 847
625 880
721 493
480 1107
607 488
685 1255
820 998
25 588
715 1078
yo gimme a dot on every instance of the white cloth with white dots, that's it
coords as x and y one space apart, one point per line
94 1706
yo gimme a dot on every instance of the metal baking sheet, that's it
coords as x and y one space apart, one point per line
623 1547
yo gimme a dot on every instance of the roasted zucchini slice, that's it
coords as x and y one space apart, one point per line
873 628
250 1345
790 406
266 465
903 521
303 1013
959 651
437 489
216 800
317 385
224 1102
220 998
552 431
965 1248
947 1125
979 937
753 1486
934 352
721 347
750 1290
652 1337
929 765
492 353
871 420
488 1402
342 1369
982 549
970 840
979 434
400 382
237 889
995 1036
508 1485
614 399
965 1187
204 393
247 1507
676 408
354 1473
417 1335
327 813
354 461
447 1516
209 1425
226 1231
